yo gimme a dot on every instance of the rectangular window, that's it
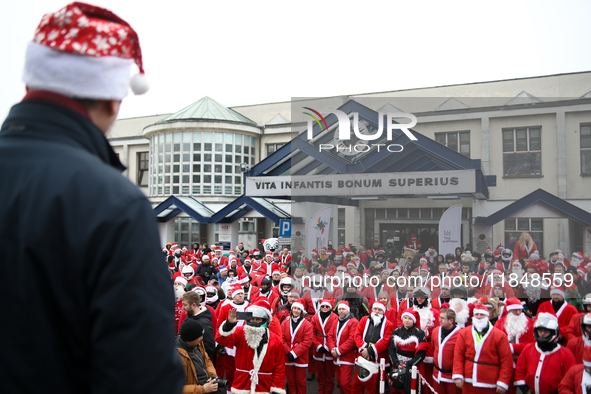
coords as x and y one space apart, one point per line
458 141
142 168
247 225
273 148
514 227
522 152
586 149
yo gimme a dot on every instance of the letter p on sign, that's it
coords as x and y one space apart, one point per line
285 228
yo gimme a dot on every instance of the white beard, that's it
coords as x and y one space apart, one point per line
253 335
376 318
576 262
515 326
178 293
427 318
479 324
463 315
532 292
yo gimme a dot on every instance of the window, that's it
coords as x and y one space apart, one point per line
186 231
142 168
247 225
458 141
273 148
522 151
586 149
515 226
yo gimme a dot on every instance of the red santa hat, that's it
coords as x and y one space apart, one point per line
275 272
84 51
339 255
218 248
481 308
180 279
244 278
269 254
424 267
500 247
513 304
379 304
261 309
344 305
323 249
413 237
232 251
241 244
298 305
256 252
413 314
326 301
237 289
314 252
557 290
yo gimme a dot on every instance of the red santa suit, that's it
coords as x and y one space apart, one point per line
252 294
518 339
574 326
262 372
380 348
414 243
482 364
227 364
564 314
267 268
542 371
443 354
577 347
296 342
324 361
577 379
342 339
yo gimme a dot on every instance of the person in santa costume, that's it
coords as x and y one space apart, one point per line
482 357
322 323
429 315
260 366
441 347
460 305
578 378
577 344
524 247
341 342
391 306
518 327
407 348
372 339
297 339
226 358
251 293
574 326
179 290
558 307
414 243
542 365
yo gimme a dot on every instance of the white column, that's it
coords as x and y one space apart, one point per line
485 137
563 226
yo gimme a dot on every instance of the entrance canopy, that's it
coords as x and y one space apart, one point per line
396 167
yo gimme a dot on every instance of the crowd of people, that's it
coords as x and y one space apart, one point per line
271 320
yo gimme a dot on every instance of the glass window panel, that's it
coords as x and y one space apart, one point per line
194 227
167 157
218 158
186 157
217 168
197 147
207 137
228 159
196 167
206 178
166 168
206 189
523 224
186 178
176 157
380 214
465 137
586 162
177 147
535 145
585 129
425 213
238 148
237 159
207 157
175 179
186 147
522 164
585 141
534 133
440 138
167 148
510 224
413 213
391 213
160 159
159 190
437 213
168 137
196 178
196 157
186 137
237 190
229 138
253 141
237 170
185 190
161 138
228 190
402 213
228 148
217 190
218 147
452 138
238 139
207 167
464 149
246 150
196 189
536 224
166 189
270 148
197 136
219 137
228 169
186 168
207 147
246 160
160 179
167 179
177 137
237 179
246 140
175 190
176 168
217 179
228 179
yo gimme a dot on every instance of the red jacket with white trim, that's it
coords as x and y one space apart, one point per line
297 342
343 341
380 347
543 371
443 354
321 330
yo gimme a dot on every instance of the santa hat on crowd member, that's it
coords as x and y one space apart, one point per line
561 255
481 308
297 304
256 252
488 249
379 304
513 304
323 249
314 252
326 301
341 268
215 258
261 306
232 251
218 248
414 315
241 244
344 305
269 254
578 255
500 247
557 290
84 51
424 267
237 289
180 279
244 278
275 272
338 255
423 260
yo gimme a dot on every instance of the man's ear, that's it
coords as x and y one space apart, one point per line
113 107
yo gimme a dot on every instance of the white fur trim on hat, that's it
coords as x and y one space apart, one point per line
325 303
180 279
237 291
514 307
407 313
101 78
557 290
344 306
379 305
477 311
298 305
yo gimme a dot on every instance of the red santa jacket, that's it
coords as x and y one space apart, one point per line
443 354
429 319
267 268
543 371
321 329
564 314
268 366
572 381
519 254
312 305
380 347
486 363
297 342
577 347
523 340
343 340
574 327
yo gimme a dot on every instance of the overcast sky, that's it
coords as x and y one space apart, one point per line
251 52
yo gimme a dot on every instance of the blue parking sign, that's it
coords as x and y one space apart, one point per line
285 228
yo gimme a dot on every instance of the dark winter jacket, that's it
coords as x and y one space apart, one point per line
206 272
86 299
204 317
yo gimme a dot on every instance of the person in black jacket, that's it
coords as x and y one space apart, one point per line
206 270
104 316
196 311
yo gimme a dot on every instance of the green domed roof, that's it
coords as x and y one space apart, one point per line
208 109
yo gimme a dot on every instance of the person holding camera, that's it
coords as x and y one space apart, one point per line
260 365
200 375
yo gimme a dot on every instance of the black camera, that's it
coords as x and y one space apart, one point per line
222 384
244 315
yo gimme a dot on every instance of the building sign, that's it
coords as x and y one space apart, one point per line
394 183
